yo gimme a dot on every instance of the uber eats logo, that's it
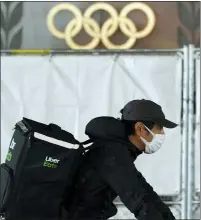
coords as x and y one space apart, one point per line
51 162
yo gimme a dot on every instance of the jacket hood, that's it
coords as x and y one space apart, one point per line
109 128
105 128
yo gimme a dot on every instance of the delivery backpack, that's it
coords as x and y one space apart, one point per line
39 171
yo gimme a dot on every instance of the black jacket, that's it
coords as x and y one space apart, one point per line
107 172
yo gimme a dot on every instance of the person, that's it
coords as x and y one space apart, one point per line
108 169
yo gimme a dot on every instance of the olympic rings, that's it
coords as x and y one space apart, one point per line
129 43
61 7
110 26
150 19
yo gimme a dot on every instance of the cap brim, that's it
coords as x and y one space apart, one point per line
168 124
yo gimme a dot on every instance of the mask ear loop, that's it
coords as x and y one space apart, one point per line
149 130
145 141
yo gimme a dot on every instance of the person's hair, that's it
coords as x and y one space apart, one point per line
130 126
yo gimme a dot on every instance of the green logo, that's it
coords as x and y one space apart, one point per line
9 156
50 165
50 162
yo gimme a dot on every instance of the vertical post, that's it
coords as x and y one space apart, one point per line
77 117
184 150
191 121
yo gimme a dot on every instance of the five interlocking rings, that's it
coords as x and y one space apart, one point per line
110 26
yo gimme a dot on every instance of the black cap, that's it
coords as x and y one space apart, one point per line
146 110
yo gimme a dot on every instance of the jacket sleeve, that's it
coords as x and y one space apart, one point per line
160 206
118 170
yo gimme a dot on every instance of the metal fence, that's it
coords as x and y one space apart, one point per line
188 200
193 186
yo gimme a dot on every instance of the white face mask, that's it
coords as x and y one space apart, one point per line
154 145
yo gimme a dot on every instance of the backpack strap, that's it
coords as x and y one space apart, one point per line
96 144
93 145
89 141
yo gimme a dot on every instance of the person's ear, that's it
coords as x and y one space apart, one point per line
139 128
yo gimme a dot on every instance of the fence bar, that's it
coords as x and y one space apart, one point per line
191 121
167 203
184 152
196 202
97 51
